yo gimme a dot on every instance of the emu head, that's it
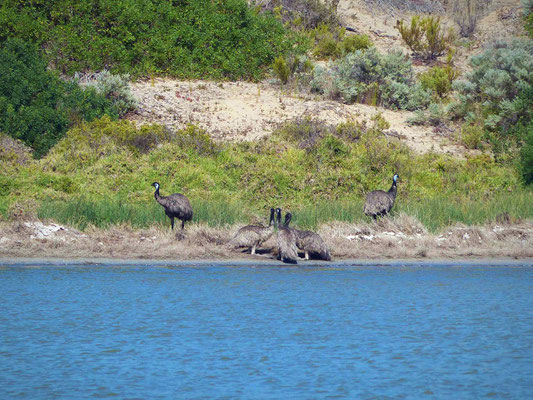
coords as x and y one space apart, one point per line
288 217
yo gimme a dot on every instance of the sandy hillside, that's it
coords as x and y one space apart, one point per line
248 111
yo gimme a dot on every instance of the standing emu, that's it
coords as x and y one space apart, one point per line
310 242
176 206
378 202
287 251
253 236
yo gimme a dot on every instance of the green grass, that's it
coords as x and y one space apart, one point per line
434 214
82 212
97 175
438 213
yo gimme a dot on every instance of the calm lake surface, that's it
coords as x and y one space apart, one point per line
355 332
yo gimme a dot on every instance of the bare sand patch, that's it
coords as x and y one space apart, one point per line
249 111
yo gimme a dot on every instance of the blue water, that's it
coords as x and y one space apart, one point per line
354 332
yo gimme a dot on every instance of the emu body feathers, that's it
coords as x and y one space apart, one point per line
176 206
378 202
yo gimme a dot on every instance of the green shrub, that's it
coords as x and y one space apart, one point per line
281 69
335 43
499 91
425 37
526 156
528 16
185 39
304 15
434 115
439 80
327 43
113 87
471 135
352 43
35 105
372 78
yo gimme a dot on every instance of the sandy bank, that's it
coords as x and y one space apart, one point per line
398 238
25 262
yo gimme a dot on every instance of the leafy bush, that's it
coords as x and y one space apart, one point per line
113 87
303 14
526 156
439 80
185 39
373 78
35 105
499 91
281 69
333 43
434 115
471 135
293 68
425 37
352 43
528 16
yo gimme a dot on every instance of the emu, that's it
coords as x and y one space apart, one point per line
287 251
253 236
310 242
176 206
378 202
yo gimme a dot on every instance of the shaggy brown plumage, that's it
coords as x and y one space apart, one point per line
287 251
310 242
378 203
176 206
253 236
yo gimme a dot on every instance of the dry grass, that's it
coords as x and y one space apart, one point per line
401 237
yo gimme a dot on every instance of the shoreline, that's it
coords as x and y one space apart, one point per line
29 262
390 240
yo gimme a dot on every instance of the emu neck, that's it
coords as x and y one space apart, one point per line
392 189
157 196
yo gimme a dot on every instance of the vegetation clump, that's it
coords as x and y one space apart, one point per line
38 107
370 77
426 37
439 80
184 39
498 93
528 16
107 166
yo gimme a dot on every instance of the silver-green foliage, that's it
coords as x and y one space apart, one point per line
498 88
370 77
113 87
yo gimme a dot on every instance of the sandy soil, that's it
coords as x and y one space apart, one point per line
249 111
401 237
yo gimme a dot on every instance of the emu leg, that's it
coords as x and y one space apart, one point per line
182 224
172 222
306 255
253 250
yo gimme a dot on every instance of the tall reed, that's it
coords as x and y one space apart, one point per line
434 214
